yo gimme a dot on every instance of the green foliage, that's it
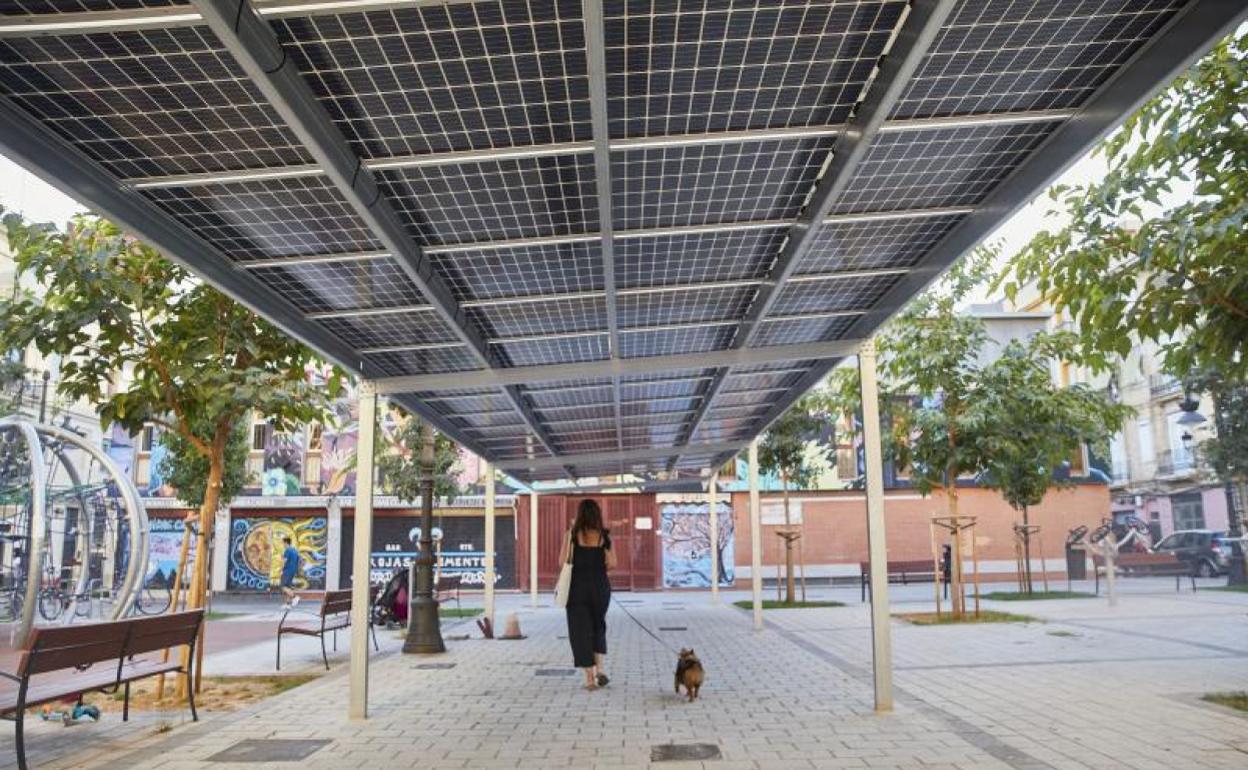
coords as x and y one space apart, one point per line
1032 427
1179 279
11 375
398 463
1035 596
772 604
190 355
930 377
789 445
948 618
1227 450
186 469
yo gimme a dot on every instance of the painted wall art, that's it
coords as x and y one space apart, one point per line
256 552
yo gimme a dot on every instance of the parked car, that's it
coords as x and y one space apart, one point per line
1207 550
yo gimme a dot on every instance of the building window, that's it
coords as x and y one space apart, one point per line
148 439
260 433
1189 512
314 437
1144 432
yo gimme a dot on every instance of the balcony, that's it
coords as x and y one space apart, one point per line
1172 463
1163 385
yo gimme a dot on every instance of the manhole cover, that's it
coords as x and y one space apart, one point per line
433 666
673 628
269 750
457 638
555 671
684 752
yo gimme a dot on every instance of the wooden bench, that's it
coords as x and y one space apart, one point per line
64 662
448 585
1146 565
904 572
334 614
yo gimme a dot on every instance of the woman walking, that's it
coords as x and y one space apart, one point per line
589 546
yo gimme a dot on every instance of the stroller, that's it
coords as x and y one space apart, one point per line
390 607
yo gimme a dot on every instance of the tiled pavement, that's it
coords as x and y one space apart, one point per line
1114 688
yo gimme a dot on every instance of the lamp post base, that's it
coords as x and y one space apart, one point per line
424 633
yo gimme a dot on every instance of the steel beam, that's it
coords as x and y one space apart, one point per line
251 41
175 16
555 149
918 29
523 375
607 458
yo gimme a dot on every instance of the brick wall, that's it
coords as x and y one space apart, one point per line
835 530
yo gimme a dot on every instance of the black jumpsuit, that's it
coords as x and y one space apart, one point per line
588 599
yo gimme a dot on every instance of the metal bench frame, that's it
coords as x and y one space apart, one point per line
335 614
901 572
1152 568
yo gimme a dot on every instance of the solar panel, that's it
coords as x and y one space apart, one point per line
445 77
1017 55
939 167
521 271
148 103
269 218
474 120
697 66
743 182
328 286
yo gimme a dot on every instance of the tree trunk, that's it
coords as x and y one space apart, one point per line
207 520
788 542
1027 552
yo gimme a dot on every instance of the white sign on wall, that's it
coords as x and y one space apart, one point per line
643 523
772 512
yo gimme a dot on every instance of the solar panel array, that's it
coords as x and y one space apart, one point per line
477 121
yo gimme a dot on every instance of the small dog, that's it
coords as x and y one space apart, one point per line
689 673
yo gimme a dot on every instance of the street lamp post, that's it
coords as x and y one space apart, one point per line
424 632
1236 572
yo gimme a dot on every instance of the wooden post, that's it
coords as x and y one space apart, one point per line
174 592
801 558
1044 566
975 564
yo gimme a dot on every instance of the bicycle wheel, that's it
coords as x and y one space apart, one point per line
51 604
153 600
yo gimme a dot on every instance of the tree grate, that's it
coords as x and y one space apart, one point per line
684 752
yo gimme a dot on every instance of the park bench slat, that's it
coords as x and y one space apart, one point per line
334 615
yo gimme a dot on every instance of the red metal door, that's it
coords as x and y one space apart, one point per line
618 516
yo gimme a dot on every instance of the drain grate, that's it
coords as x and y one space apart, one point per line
555 671
684 752
433 666
673 628
269 750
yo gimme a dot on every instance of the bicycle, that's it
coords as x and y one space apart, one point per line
154 598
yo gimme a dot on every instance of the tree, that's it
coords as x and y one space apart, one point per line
1226 453
146 343
1180 277
186 469
785 450
930 359
1033 426
399 468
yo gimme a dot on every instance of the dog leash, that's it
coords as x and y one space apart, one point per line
643 626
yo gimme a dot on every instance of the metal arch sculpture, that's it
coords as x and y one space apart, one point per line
38 470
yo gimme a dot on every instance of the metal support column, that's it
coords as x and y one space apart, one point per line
362 547
712 501
489 542
881 637
533 549
756 538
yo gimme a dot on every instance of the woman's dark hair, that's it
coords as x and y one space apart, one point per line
588 518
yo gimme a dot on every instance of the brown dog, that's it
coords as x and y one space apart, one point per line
689 673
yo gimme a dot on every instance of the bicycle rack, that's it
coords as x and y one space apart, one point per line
64 506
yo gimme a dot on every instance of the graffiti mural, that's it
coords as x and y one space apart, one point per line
687 545
256 552
283 464
459 543
164 541
338 440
